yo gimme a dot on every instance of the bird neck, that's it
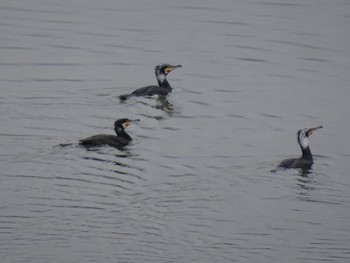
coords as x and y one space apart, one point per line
162 81
306 153
121 133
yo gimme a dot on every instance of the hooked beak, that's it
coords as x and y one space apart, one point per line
134 120
127 123
312 130
171 68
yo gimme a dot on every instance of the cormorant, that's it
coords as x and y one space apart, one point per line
306 160
163 87
118 141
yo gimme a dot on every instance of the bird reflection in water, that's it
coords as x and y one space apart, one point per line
164 105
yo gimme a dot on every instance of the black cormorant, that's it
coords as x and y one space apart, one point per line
163 87
306 160
116 141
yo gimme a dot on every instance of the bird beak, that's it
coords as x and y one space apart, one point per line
312 130
171 68
126 124
134 120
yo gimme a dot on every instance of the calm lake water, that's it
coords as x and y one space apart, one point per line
196 183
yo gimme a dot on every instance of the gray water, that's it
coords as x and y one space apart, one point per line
196 184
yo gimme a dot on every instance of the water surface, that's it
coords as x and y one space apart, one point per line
196 183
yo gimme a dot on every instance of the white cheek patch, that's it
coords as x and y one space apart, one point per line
304 142
161 77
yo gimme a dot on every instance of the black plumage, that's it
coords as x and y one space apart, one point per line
117 141
306 160
163 87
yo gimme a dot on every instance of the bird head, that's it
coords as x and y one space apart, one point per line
303 136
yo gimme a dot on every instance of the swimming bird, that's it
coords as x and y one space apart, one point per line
163 87
117 141
306 160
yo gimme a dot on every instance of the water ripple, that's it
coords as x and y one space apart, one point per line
195 185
